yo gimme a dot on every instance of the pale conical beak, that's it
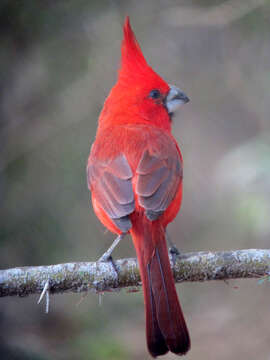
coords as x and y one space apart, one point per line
175 99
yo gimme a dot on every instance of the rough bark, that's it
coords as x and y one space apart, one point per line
99 277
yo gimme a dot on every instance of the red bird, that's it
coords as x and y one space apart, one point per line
135 176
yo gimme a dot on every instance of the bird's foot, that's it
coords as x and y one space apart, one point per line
110 260
174 253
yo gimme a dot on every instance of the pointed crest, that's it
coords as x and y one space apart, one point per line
131 50
132 56
131 92
135 73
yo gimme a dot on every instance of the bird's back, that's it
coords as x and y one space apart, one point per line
133 143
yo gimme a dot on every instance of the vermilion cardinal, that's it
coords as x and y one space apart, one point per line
135 176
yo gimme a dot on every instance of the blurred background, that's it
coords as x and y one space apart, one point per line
58 61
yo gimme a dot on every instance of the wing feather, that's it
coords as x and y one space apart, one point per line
158 178
111 184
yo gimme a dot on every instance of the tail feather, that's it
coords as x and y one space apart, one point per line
155 340
168 311
166 329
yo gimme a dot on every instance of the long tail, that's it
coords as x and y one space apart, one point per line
165 324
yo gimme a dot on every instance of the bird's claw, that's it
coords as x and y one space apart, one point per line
174 252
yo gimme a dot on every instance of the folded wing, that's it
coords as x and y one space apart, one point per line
111 183
158 180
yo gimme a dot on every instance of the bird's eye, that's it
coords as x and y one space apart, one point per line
154 94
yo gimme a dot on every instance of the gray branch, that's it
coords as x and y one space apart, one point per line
99 277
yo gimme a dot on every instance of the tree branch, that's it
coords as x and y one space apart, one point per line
99 277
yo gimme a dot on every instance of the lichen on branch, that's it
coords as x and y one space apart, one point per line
102 276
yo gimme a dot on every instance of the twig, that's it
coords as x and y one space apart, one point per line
45 291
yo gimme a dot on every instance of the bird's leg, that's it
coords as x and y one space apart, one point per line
107 256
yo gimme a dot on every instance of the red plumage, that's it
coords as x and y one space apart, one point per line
135 176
